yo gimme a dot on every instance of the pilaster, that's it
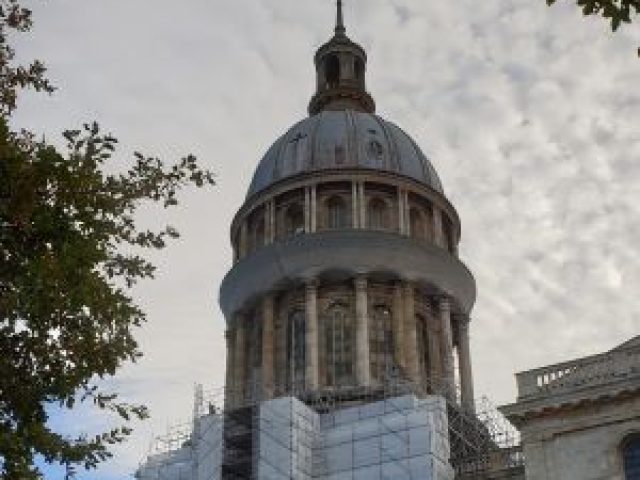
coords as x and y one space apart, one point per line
244 239
268 364
448 366
230 391
311 373
402 225
410 334
355 210
464 361
398 326
314 209
363 364
362 204
438 228
240 359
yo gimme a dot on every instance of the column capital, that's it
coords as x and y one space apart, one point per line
444 302
463 320
361 282
311 284
408 286
268 295
238 321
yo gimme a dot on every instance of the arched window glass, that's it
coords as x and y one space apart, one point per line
416 220
294 220
339 345
332 71
631 454
422 337
296 350
381 343
336 213
377 214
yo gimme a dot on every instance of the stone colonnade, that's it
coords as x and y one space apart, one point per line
359 216
405 346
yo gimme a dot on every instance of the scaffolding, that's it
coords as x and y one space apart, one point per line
480 443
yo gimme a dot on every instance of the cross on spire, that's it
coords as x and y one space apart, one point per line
340 30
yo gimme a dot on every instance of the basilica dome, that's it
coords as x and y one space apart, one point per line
344 139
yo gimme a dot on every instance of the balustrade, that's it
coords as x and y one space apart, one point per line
590 371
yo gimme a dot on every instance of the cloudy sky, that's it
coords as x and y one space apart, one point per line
529 114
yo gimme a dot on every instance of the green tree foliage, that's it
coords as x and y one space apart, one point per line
15 18
70 250
616 11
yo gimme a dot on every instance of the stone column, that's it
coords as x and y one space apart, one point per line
363 365
362 203
438 229
272 220
244 239
403 227
412 366
240 360
464 361
314 209
229 336
311 372
435 361
267 222
268 365
448 365
307 209
407 216
398 326
355 210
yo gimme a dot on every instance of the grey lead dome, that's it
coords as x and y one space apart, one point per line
346 139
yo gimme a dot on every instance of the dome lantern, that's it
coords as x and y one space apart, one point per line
340 71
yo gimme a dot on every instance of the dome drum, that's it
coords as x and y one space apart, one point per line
337 304
343 201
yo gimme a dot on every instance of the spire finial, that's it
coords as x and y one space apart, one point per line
340 30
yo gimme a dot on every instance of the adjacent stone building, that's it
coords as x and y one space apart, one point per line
581 419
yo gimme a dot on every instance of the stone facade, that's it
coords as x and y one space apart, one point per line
577 417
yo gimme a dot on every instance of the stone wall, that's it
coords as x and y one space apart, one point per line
583 443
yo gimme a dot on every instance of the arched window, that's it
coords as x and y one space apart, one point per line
296 350
377 214
336 213
631 454
294 220
417 225
339 345
381 343
422 338
332 71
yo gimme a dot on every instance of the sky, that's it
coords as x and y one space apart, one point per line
530 115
